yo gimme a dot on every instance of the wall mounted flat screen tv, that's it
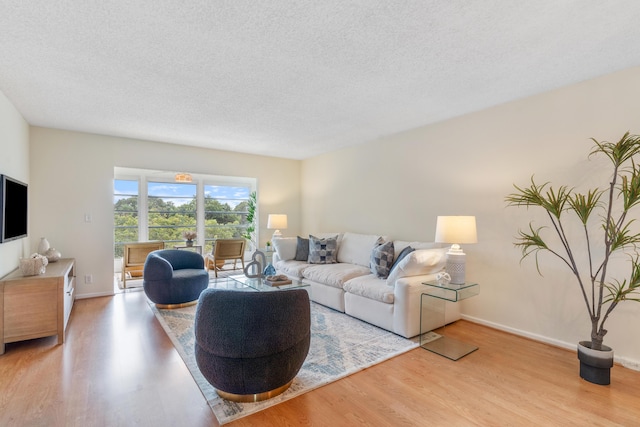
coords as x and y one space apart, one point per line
13 209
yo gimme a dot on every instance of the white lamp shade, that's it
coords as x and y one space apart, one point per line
277 221
456 229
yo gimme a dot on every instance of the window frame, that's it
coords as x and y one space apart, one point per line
144 176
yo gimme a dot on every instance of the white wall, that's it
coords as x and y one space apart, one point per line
14 162
466 166
72 175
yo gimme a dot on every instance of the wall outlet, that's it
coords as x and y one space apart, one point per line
88 279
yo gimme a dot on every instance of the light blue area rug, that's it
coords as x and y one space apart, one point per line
340 346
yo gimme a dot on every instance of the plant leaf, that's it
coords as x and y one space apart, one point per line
543 196
583 205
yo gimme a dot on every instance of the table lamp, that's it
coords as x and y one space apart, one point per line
277 222
456 230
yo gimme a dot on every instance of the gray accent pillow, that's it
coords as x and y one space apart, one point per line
302 249
406 251
382 259
323 251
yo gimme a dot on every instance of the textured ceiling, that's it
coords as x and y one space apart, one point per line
295 78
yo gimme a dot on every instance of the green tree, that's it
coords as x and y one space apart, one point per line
249 232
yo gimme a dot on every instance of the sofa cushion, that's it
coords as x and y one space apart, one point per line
421 261
371 287
291 268
356 248
382 259
323 251
285 247
334 275
302 249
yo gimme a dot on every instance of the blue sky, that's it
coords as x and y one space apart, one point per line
167 191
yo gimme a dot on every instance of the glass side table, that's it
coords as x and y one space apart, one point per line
432 314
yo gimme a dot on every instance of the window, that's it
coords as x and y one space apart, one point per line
172 210
149 205
125 213
225 212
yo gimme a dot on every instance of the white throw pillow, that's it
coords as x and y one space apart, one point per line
356 248
421 261
285 247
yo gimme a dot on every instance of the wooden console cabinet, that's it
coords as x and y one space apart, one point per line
37 306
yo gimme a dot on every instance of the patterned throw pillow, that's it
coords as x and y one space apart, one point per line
382 259
302 249
323 251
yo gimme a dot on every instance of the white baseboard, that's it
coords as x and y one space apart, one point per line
627 363
95 295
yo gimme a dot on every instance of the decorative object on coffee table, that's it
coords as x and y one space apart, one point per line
255 268
277 280
250 345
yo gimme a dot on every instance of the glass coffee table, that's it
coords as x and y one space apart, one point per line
242 282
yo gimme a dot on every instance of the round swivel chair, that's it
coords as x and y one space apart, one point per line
251 345
174 278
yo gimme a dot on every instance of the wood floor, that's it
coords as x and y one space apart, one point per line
118 368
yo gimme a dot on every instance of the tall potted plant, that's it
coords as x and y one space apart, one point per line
603 216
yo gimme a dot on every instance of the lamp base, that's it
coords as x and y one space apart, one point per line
456 267
276 235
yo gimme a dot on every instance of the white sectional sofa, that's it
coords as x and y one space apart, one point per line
341 277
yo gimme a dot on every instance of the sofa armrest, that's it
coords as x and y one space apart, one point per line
406 311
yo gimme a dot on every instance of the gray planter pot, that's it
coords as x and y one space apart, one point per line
595 365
